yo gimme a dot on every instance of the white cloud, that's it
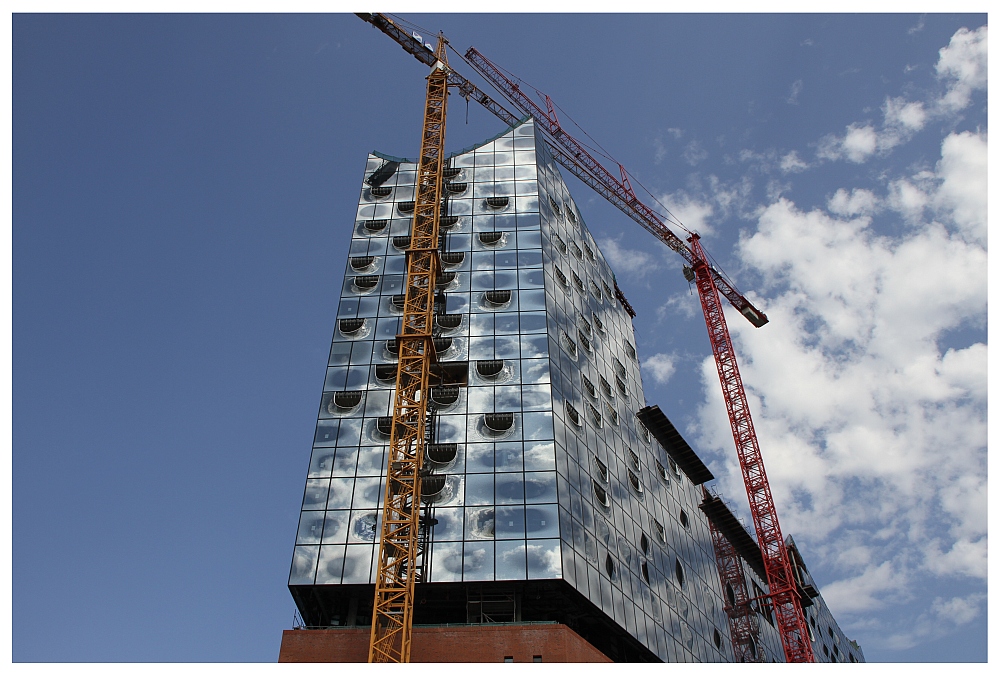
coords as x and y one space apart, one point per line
859 202
694 153
857 145
792 163
793 94
963 168
691 212
660 367
872 427
962 65
628 261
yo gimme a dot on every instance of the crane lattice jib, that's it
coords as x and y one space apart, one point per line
571 153
744 629
392 616
780 580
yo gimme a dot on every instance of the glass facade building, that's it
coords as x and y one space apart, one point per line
543 481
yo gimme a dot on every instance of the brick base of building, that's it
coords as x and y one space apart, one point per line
524 643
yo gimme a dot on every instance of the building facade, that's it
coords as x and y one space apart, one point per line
548 500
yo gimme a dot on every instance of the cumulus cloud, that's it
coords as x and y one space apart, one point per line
793 93
961 68
632 262
792 163
660 367
962 65
871 420
693 213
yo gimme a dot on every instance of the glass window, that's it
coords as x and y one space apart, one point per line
450 524
543 559
315 494
367 492
509 522
539 456
303 565
478 561
509 488
358 563
537 426
335 529
341 490
479 488
540 487
510 560
310 527
321 463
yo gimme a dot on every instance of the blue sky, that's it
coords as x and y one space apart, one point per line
183 188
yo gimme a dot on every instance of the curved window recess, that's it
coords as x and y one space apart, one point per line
575 250
366 282
498 422
851 658
595 416
441 453
622 387
607 291
589 251
584 340
445 395
585 327
406 207
717 638
599 324
451 171
609 565
481 523
362 263
431 487
753 647
596 292
645 576
685 523
601 494
643 431
812 620
567 343
381 191
384 425
559 243
611 413
829 631
662 472
382 174
731 595
489 369
497 298
602 469
491 238
442 345
351 326
448 321
399 301
561 277
606 388
673 467
456 188
826 651
679 571
630 350
634 481
659 531
570 214
402 243
836 651
573 414
373 226
619 368
386 372
589 386
497 202
453 258
392 347
447 222
634 457
644 544
444 279
346 400
555 205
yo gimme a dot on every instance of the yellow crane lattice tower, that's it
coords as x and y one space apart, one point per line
392 616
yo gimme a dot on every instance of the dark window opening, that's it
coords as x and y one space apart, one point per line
589 386
351 326
498 422
489 238
456 188
634 481
375 225
361 262
645 571
644 544
601 494
717 638
679 571
489 369
602 469
572 413
402 243
497 202
684 519
497 297
453 258
346 399
366 282
406 207
381 191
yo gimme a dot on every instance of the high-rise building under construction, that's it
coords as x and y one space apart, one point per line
554 499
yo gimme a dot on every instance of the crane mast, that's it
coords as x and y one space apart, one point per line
392 615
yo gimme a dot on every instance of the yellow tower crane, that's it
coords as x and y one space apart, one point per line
392 617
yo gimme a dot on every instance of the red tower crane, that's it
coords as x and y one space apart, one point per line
709 281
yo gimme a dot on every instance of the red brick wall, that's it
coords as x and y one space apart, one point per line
555 643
